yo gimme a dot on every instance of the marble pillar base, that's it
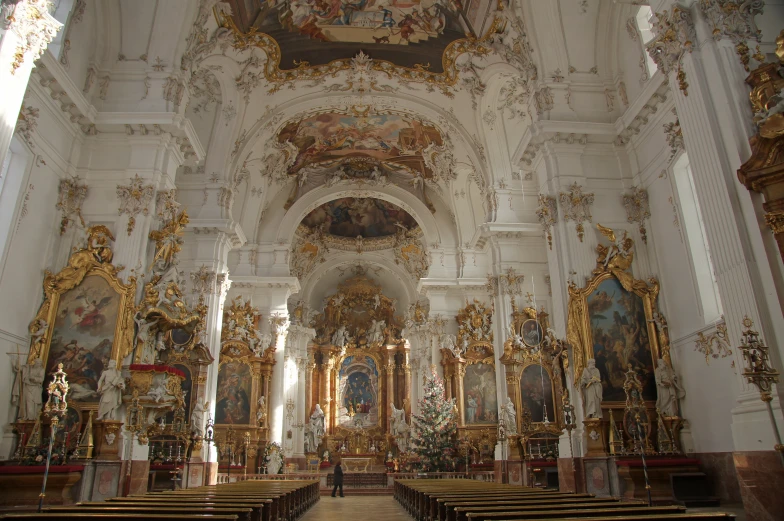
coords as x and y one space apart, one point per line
107 480
761 479
720 469
211 473
601 477
632 478
194 475
106 437
570 475
139 477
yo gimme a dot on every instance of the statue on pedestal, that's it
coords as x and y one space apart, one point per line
591 382
30 377
197 419
314 430
668 389
509 416
398 427
110 385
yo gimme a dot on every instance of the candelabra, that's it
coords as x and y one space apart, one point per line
209 434
54 408
569 424
760 372
502 440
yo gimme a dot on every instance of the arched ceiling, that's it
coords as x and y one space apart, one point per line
369 218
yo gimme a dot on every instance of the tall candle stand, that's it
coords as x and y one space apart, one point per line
54 408
760 372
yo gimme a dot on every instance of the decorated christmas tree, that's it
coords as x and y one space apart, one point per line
434 428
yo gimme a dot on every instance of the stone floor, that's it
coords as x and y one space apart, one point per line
377 508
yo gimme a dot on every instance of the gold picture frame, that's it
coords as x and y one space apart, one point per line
95 260
586 336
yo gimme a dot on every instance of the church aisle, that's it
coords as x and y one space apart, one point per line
383 508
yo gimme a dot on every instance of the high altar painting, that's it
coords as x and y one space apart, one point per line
234 390
479 390
536 389
620 336
358 392
330 136
368 217
83 334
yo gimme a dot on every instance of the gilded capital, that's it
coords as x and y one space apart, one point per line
674 37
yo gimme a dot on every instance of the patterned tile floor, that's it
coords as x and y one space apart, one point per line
357 508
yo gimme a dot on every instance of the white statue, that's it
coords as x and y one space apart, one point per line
110 385
339 338
398 427
30 377
325 456
143 338
591 382
377 331
158 389
376 300
509 415
449 341
668 389
197 419
314 430
274 462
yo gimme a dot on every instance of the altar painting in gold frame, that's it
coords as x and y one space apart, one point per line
358 391
90 311
479 393
611 320
234 395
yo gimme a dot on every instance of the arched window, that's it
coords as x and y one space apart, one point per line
644 15
694 230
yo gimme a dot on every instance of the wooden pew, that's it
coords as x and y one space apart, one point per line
619 510
243 514
80 516
451 508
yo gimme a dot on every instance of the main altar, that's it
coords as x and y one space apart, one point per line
358 376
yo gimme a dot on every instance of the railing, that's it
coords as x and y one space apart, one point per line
223 478
478 475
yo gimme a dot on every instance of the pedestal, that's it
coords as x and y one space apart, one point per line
761 478
631 476
107 479
194 475
594 435
196 451
138 476
601 478
674 424
570 475
106 437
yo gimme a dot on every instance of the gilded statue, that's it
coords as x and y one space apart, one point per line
168 240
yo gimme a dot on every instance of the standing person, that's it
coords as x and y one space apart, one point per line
338 479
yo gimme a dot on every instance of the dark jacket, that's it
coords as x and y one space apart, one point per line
338 474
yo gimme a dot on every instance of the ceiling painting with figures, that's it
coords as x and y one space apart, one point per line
316 32
368 217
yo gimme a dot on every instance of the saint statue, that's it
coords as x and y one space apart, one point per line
261 412
315 430
30 377
197 419
591 382
339 338
668 389
274 462
397 421
509 415
110 385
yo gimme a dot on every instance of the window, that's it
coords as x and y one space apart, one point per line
645 27
696 240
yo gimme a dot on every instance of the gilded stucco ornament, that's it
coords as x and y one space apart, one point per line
26 123
674 37
33 25
475 323
70 198
410 252
577 207
674 136
637 209
135 199
547 212
734 20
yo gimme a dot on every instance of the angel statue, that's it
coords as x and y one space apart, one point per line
619 247
449 342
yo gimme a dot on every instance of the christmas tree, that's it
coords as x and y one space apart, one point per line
434 427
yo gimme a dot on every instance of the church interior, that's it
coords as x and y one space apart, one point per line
525 245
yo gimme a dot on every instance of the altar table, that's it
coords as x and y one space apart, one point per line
355 464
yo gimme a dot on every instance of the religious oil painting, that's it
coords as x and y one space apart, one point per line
358 392
479 394
619 331
325 137
83 335
532 334
367 217
536 388
234 390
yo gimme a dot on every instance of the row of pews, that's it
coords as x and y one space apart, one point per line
277 500
468 500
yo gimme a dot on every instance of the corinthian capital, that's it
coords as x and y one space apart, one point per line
734 20
31 21
675 36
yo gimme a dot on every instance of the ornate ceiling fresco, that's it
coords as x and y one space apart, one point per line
404 32
368 217
417 41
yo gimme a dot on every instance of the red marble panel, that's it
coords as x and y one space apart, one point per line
761 478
